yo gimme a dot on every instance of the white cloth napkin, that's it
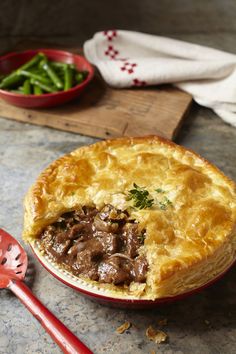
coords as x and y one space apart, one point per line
128 59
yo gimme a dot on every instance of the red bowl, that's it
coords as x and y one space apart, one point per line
103 296
13 61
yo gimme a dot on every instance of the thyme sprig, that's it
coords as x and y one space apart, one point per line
165 203
143 200
140 197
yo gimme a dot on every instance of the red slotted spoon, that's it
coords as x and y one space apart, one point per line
13 265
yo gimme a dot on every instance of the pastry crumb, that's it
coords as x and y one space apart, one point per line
162 322
156 336
121 329
152 352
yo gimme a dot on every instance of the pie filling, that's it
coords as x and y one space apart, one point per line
100 245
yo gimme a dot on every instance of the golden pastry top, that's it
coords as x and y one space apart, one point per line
198 220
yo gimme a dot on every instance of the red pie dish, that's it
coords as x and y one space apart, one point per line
12 61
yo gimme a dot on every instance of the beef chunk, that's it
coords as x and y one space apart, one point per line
109 241
131 240
140 267
113 271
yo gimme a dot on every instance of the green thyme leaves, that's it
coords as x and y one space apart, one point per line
164 203
159 190
142 199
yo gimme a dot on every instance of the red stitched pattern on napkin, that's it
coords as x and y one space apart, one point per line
126 67
129 67
110 34
111 52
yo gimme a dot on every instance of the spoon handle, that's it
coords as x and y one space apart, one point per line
66 340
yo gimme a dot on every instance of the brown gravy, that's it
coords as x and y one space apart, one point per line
102 246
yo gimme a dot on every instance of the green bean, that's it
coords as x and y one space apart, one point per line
58 65
68 78
38 77
79 77
26 87
35 60
44 87
10 80
52 74
37 90
59 69
38 71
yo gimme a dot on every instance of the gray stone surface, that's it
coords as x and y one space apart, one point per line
26 149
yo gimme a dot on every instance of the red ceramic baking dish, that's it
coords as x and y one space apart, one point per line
12 61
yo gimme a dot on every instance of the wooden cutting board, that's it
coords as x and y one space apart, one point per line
104 112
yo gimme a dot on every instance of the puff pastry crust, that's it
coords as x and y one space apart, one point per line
186 245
